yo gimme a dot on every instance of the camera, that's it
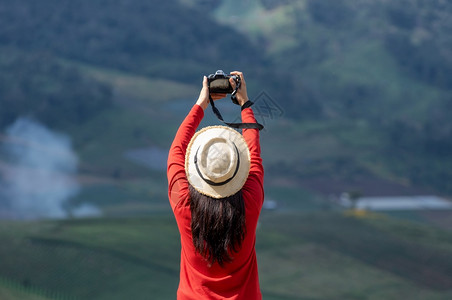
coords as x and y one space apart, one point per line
219 82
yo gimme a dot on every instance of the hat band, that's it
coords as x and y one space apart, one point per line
210 182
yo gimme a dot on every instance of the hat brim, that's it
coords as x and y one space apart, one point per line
237 182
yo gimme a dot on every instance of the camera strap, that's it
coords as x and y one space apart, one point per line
234 125
234 93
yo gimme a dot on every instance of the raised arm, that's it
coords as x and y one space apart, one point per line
255 183
252 139
177 179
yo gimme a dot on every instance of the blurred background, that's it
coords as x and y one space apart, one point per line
355 95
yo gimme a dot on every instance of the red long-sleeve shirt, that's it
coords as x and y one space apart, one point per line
239 278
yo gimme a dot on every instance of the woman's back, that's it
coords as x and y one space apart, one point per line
199 278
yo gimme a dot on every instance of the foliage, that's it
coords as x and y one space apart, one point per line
39 86
331 13
383 63
163 39
374 257
420 39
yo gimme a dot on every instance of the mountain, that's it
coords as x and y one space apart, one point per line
164 39
355 97
375 75
362 88
167 40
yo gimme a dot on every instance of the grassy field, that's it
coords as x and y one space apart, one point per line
14 291
301 256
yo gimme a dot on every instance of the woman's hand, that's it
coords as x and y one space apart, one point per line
203 99
241 95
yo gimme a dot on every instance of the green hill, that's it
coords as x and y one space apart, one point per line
301 256
375 75
364 91
160 39
17 292
371 79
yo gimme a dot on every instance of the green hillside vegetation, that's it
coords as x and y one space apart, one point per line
384 68
17 292
316 255
373 74
364 87
37 85
164 39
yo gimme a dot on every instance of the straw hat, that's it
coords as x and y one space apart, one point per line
217 161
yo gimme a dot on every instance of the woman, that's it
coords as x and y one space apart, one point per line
216 192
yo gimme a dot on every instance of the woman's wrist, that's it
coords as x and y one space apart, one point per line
203 103
242 100
247 104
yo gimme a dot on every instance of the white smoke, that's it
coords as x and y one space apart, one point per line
38 178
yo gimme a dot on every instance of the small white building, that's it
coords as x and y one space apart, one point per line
387 203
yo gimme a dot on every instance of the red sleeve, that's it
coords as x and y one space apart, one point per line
255 182
177 180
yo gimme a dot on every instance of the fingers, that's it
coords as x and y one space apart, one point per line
241 95
232 82
240 74
205 87
203 98
217 96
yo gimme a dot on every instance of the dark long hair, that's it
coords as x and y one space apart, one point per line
217 225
